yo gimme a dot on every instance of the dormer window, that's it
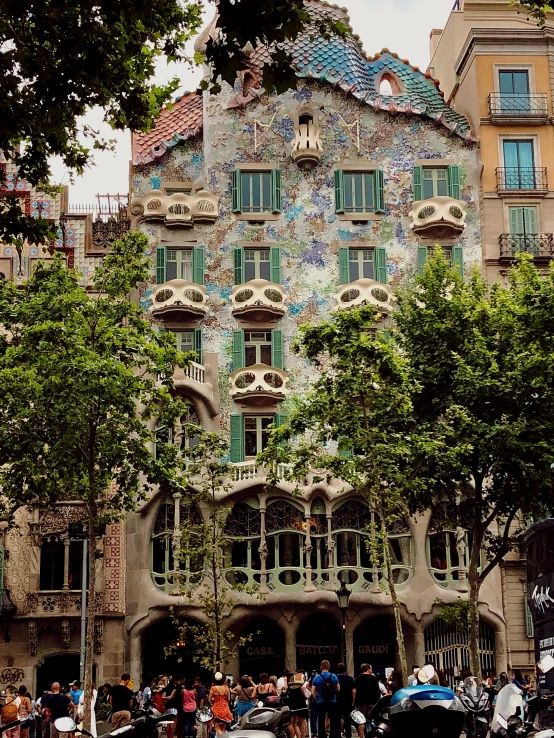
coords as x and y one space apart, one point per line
306 120
385 88
306 145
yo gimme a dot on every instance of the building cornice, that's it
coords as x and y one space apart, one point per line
507 40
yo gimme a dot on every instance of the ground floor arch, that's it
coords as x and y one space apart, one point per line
62 668
318 637
178 660
263 650
374 642
446 647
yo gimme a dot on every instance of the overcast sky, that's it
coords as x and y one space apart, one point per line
403 26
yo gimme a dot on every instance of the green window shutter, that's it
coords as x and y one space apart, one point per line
239 264
421 260
198 265
161 258
279 419
379 187
417 183
276 190
237 192
387 335
458 260
516 220
530 220
197 338
2 559
277 349
339 191
380 260
275 264
529 627
237 438
454 181
238 350
344 451
344 266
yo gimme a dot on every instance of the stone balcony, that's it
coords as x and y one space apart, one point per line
438 217
179 300
259 384
258 301
177 209
57 603
306 145
244 470
365 292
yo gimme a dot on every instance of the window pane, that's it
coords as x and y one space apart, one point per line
158 555
250 355
266 185
75 564
442 188
265 355
368 264
51 565
289 550
256 192
521 82
186 265
368 186
348 192
246 197
185 340
264 271
171 265
354 264
358 193
428 189
506 80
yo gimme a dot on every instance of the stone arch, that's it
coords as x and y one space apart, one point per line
264 649
158 636
318 637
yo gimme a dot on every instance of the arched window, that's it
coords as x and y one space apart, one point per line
164 566
448 546
284 524
385 87
242 554
53 565
189 438
319 557
352 523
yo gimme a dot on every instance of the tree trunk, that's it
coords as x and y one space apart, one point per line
474 587
91 603
395 603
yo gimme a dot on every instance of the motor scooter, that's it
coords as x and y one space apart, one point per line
205 715
476 702
262 718
145 726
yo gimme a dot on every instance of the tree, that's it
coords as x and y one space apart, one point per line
480 359
78 381
60 59
537 8
203 547
361 400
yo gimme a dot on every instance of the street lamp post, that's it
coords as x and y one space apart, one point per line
343 596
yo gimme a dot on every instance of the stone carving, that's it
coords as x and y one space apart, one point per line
56 522
179 299
66 633
33 637
255 385
438 217
177 209
105 233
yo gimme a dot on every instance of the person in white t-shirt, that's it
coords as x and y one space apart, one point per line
282 683
81 710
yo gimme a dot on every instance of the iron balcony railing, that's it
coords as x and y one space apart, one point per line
538 245
531 104
521 178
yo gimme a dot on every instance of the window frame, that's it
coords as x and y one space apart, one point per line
257 345
529 68
360 262
274 169
257 251
537 165
259 433
179 251
363 168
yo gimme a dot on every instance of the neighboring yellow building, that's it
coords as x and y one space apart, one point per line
496 67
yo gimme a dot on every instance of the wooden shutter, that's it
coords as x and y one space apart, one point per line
516 220
380 260
379 190
529 627
237 190
344 451
198 265
387 335
238 350
161 260
421 260
276 190
237 438
339 191
453 174
344 265
279 419
275 264
197 344
417 183
277 349
530 221
238 253
458 260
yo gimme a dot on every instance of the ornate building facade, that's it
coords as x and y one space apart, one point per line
265 212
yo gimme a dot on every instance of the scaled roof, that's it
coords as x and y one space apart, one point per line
340 62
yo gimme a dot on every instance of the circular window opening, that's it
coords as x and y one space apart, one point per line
456 212
244 380
194 295
349 295
243 295
164 295
273 380
426 212
289 577
379 294
273 295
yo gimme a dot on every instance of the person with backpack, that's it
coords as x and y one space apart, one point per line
324 688
25 712
9 714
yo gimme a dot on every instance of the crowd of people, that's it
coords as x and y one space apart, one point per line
319 704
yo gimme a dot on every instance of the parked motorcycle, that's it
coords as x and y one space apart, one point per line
262 718
475 701
378 724
145 726
509 719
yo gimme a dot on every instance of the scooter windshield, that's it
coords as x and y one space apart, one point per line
509 702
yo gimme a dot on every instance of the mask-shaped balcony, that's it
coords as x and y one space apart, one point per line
177 209
258 301
259 384
365 292
306 145
438 217
179 300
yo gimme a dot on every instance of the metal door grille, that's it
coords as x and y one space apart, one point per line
447 648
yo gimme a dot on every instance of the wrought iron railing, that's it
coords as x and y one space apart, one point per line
521 178
538 245
525 104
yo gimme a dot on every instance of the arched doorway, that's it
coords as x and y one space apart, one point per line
447 648
318 637
180 661
62 668
375 644
264 650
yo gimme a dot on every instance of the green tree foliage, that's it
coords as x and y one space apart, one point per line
536 8
78 383
481 365
361 400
